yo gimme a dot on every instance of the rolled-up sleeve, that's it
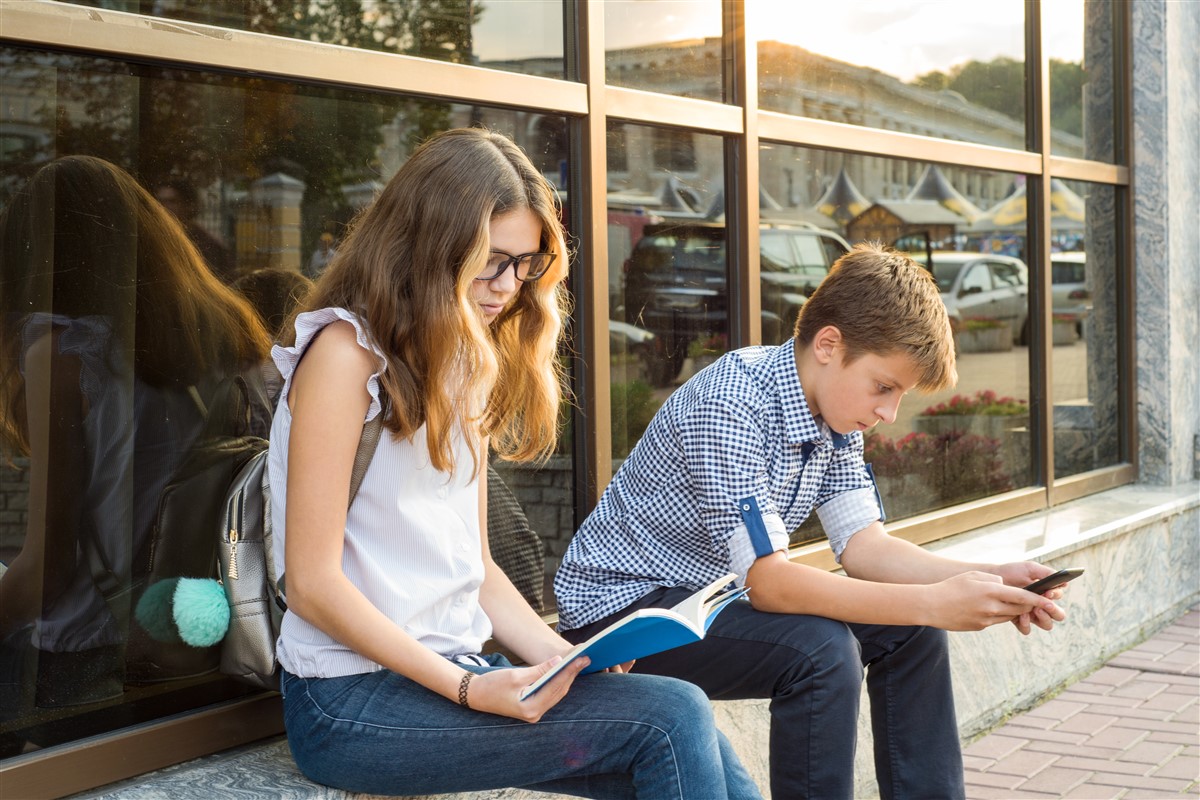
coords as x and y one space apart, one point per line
847 501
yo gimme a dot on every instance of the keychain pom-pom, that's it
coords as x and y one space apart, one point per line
201 611
154 611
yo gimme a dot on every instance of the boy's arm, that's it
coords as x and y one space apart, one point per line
874 555
949 599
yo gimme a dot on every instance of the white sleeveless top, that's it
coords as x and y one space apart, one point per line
412 540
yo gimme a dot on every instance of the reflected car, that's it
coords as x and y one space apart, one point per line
676 284
1068 287
983 286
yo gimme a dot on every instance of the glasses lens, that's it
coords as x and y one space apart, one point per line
496 263
534 265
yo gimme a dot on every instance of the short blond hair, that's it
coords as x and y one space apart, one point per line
884 303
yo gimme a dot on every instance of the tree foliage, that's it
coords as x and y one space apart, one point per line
999 85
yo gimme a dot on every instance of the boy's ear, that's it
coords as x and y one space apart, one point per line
825 343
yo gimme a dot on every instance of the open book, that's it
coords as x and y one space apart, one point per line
649 631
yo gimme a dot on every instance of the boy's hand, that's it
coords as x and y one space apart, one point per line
1023 573
976 600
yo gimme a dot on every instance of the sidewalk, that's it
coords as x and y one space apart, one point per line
1129 730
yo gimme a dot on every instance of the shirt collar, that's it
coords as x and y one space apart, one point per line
798 421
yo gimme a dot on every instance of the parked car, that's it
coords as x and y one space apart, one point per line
983 286
1068 289
676 283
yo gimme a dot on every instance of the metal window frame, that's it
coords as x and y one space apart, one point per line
589 104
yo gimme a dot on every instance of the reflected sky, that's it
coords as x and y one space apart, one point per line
903 38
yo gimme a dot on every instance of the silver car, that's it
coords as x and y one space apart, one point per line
1068 287
983 286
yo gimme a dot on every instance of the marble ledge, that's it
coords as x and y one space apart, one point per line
1064 529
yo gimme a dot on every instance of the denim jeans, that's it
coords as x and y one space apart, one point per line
811 669
612 736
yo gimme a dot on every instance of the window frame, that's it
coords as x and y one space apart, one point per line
590 105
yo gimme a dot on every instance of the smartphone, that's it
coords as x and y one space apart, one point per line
1052 581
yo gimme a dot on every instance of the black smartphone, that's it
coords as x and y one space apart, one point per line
1052 581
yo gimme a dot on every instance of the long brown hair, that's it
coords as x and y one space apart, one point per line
82 239
407 267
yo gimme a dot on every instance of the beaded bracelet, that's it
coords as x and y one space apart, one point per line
462 689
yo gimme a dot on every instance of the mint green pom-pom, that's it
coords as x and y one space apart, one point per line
201 611
154 610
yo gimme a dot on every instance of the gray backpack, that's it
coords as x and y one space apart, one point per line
246 565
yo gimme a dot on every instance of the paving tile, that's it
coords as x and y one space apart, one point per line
1181 766
1058 708
1056 780
1092 791
1100 765
1167 736
1169 701
1116 738
1157 725
1111 699
995 779
976 792
1024 762
1150 752
1164 785
1138 688
1112 676
977 763
1084 722
994 746
1068 749
1035 736
1131 712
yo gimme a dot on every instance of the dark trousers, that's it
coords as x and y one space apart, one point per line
811 669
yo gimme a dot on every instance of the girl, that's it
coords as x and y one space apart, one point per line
442 311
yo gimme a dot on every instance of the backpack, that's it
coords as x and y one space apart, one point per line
246 564
181 544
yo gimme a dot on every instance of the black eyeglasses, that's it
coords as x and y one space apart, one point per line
527 266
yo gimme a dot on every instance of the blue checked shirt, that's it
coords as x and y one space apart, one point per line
730 465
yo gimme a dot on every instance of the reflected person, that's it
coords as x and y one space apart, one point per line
112 336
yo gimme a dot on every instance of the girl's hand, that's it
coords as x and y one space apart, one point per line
626 667
498 691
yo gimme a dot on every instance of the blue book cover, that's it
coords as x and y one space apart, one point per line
649 631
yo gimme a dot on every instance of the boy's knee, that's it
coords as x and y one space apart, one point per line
827 651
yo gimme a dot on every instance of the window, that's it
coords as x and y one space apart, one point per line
270 137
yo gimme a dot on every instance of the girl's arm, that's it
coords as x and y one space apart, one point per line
328 402
514 622
47 562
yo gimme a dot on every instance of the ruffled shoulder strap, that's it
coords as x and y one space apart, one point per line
308 325
88 338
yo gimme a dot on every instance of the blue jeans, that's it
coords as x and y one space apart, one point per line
612 736
811 669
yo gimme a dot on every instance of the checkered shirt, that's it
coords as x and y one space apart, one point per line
673 514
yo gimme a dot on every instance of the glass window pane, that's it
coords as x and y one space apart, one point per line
940 451
668 46
1087 384
523 36
1080 41
266 176
668 285
948 70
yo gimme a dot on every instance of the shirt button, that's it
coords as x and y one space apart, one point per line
442 493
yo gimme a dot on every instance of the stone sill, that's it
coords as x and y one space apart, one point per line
1059 531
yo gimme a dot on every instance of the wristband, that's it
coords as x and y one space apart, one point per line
462 689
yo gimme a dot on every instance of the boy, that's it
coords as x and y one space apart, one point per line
739 456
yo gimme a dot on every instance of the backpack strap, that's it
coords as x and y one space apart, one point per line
367 443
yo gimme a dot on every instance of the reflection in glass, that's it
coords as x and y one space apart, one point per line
668 46
268 173
523 36
106 400
947 70
954 446
668 284
1079 41
1087 381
